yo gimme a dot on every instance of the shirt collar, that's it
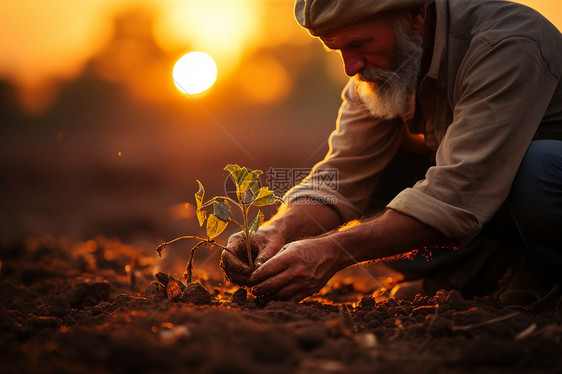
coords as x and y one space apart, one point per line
440 42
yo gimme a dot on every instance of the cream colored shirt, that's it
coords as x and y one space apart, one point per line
493 86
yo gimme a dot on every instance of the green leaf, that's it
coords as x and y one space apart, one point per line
215 226
250 183
257 221
221 209
234 170
265 197
238 174
199 194
201 214
240 193
241 175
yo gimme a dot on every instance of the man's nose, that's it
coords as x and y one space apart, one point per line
352 62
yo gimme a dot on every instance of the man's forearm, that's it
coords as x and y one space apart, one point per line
304 218
392 233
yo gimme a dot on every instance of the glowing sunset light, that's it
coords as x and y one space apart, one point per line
119 41
194 72
222 28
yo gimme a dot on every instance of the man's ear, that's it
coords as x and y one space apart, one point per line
414 19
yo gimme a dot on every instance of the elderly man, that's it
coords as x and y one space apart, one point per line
451 125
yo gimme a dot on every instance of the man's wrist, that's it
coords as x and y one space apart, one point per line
298 220
274 228
348 246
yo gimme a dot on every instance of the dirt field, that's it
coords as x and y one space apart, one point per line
91 308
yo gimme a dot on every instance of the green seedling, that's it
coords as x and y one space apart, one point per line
248 194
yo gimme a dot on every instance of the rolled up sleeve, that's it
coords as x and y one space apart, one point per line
359 149
501 94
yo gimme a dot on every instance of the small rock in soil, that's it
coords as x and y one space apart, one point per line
196 294
440 297
162 278
239 297
174 289
155 290
367 302
456 301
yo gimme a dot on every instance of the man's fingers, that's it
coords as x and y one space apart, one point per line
270 285
236 244
236 270
231 261
273 266
290 291
267 253
273 274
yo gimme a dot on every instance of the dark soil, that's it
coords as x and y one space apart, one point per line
96 307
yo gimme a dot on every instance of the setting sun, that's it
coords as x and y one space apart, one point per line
194 72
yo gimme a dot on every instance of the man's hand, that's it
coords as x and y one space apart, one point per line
303 267
267 241
298 270
290 223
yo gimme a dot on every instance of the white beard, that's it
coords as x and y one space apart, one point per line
387 94
393 104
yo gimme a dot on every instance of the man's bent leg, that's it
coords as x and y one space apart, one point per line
535 202
473 268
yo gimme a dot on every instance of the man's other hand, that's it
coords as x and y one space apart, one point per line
298 270
267 241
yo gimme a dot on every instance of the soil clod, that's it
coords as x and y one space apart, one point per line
162 278
195 293
367 302
239 297
155 290
174 289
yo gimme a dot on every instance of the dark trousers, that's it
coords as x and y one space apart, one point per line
529 222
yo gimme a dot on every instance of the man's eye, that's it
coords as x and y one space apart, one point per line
356 45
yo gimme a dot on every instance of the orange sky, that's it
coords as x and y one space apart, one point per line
55 37
49 39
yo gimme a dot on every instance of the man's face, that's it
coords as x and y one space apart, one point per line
371 42
384 60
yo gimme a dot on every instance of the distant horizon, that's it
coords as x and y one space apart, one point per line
41 48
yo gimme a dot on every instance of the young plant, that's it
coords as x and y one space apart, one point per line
248 194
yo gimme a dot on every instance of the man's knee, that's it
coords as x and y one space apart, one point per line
535 199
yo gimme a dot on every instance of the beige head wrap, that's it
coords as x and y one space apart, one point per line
323 16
